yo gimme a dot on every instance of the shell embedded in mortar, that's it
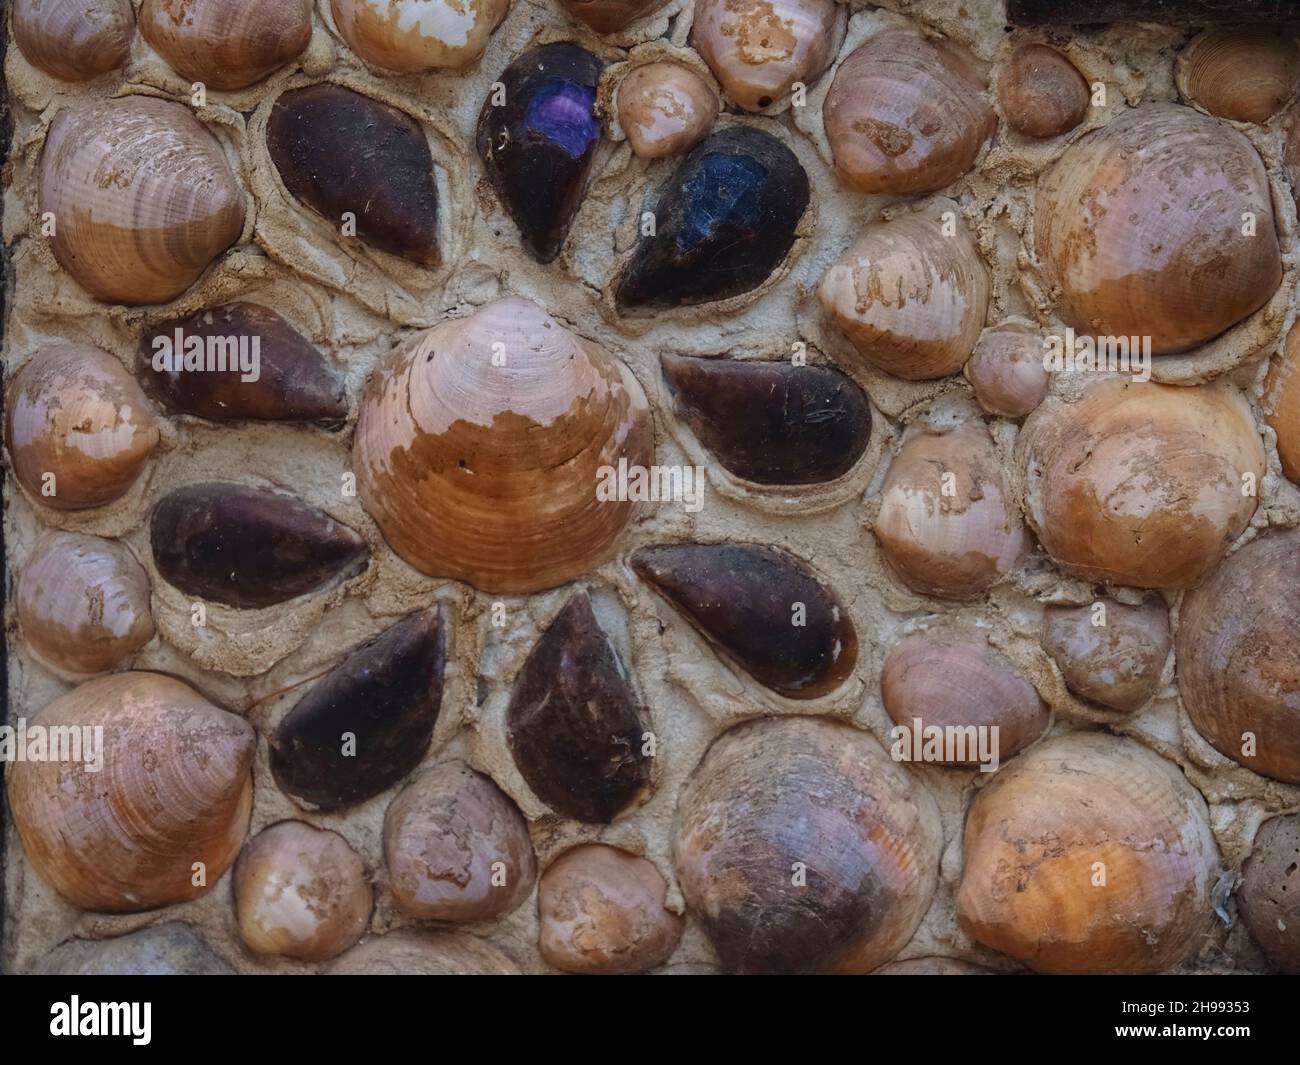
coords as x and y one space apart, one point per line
1006 369
410 36
1245 73
1269 894
1041 92
1280 403
1109 652
74 40
481 445
169 949
610 16
665 108
408 952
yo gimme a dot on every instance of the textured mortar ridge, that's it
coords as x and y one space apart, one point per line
357 307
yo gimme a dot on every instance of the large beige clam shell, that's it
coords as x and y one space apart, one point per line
74 40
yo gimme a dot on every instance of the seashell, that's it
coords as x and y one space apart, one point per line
83 602
725 222
1236 650
407 952
665 108
1280 403
78 428
170 949
488 473
956 681
387 695
457 848
1076 806
544 122
301 892
226 44
947 524
171 802
574 725
610 16
353 159
762 609
601 912
1269 895
1041 92
1245 73
909 298
906 114
74 40
171 208
249 547
1006 369
1291 152
1139 225
760 49
817 792
771 422
933 967
293 383
1109 652
1139 483
410 36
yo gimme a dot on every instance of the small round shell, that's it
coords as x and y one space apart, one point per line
665 108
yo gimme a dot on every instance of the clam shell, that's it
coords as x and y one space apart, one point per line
74 40
546 124
771 422
801 847
1041 92
408 36
249 547
171 949
601 911
724 223
1269 894
574 725
955 681
480 446
909 297
665 108
1238 654
947 524
457 848
408 952
759 49
761 608
1280 403
226 44
906 114
83 602
1089 854
1006 369
300 892
353 159
293 381
1140 483
1245 73
386 695
176 789
1117 663
171 208
1140 226
610 16
78 429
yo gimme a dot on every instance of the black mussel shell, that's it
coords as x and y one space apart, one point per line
762 609
249 547
202 365
725 221
386 695
538 145
574 726
772 422
340 153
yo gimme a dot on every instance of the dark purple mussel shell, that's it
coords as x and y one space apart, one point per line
762 609
249 547
386 695
538 145
574 725
294 383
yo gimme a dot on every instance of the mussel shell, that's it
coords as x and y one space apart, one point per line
724 223
249 547
408 952
386 695
342 153
761 608
170 949
171 207
294 382
574 725
771 422
538 146
1118 663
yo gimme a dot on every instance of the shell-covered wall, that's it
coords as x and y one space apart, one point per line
357 305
